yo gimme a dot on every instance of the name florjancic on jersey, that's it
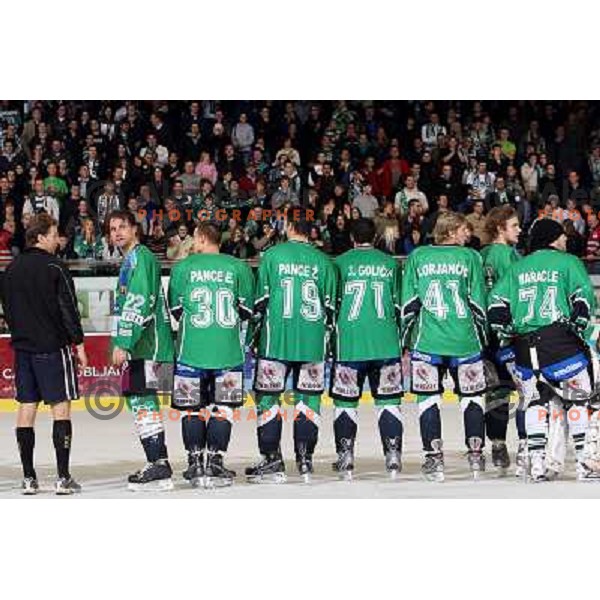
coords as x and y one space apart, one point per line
443 269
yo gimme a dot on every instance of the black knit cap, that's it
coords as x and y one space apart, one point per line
543 233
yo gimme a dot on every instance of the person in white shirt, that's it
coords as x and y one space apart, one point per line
40 202
409 192
431 130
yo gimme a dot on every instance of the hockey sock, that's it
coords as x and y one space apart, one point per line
496 415
521 430
62 434
578 419
218 431
345 422
389 419
536 424
473 417
149 425
193 431
306 423
430 421
26 443
269 423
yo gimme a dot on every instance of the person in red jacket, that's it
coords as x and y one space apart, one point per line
392 172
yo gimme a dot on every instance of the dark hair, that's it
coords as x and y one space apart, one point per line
209 231
39 225
299 219
363 231
123 215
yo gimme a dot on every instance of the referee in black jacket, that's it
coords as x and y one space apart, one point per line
40 307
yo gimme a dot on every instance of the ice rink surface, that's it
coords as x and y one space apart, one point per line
105 452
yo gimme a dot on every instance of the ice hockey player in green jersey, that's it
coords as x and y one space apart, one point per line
209 294
502 227
544 305
294 304
367 346
443 324
142 340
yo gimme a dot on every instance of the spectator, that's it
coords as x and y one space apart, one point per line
592 250
284 195
392 172
6 237
181 244
410 192
575 240
107 202
53 185
390 240
242 136
428 223
157 239
366 203
206 168
477 221
339 235
239 245
39 202
88 244
266 237
190 179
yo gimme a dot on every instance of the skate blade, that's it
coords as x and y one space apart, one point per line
29 492
306 477
345 475
394 474
196 482
163 485
211 483
66 492
275 478
476 475
435 477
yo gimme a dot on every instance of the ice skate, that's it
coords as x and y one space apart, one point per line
304 464
476 457
216 474
393 456
538 470
585 471
500 457
344 465
433 466
522 460
30 486
154 477
195 470
65 486
271 469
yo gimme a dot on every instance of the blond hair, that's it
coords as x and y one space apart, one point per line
446 224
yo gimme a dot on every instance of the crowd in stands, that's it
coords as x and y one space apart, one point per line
243 163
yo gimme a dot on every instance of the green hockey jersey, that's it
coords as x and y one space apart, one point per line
545 287
295 298
497 260
368 302
210 294
142 325
443 301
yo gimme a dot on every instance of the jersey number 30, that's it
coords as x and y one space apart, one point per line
218 306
